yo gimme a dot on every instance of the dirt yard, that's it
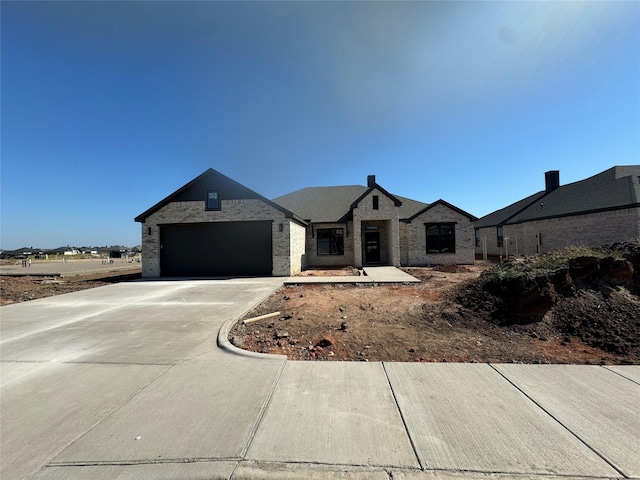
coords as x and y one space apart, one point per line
449 317
24 288
423 322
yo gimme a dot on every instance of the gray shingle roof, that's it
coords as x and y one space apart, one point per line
501 216
333 204
211 179
615 188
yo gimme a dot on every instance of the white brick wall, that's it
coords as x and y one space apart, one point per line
416 238
387 210
297 239
593 229
231 210
312 259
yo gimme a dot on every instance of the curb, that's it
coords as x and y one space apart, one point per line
223 336
225 344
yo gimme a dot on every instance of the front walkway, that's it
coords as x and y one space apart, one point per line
370 275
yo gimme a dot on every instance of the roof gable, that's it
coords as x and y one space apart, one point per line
196 190
445 204
373 187
334 204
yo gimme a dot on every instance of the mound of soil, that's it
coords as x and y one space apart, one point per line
585 311
595 300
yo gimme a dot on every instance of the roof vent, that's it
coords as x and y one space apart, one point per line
551 180
371 180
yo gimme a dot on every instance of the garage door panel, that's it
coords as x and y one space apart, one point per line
216 249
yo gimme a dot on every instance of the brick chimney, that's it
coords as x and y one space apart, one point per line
551 180
371 180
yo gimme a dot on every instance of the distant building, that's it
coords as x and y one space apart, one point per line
600 210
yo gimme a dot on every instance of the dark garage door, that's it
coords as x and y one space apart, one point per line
215 249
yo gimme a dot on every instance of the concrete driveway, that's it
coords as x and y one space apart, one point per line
71 363
127 382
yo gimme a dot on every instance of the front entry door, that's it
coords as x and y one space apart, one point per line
372 247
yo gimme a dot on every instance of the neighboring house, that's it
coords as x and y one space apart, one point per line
600 210
58 251
215 226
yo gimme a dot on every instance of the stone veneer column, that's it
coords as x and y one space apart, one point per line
356 238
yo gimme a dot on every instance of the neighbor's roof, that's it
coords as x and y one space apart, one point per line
333 204
501 216
613 189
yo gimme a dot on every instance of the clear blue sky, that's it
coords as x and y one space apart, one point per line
108 107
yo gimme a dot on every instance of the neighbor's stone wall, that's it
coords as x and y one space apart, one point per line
312 259
387 210
488 235
416 238
231 211
592 229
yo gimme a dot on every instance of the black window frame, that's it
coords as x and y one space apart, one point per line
499 236
376 202
444 243
477 237
208 206
335 238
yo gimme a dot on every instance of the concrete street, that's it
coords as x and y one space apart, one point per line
131 381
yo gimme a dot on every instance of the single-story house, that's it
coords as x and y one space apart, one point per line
600 210
214 226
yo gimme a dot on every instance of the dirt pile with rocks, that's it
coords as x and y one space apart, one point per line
576 306
594 298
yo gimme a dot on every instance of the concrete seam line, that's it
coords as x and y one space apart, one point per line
263 410
580 439
404 421
353 466
107 415
620 374
152 461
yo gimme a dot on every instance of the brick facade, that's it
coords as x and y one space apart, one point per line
231 210
294 244
312 259
591 229
415 238
387 211
400 243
